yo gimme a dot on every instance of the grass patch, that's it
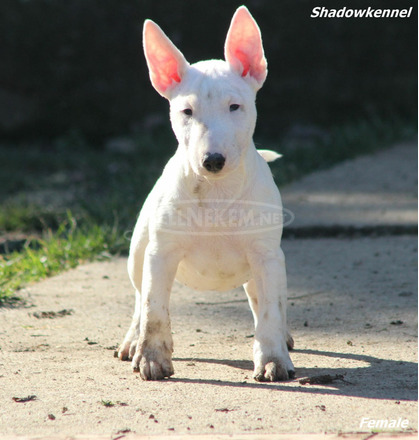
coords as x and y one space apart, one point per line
55 252
75 202
323 149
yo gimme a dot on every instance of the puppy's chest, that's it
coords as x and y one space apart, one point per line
216 253
212 216
214 262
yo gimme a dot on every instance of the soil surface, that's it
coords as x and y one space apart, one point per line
352 311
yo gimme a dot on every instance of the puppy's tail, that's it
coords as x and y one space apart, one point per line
269 155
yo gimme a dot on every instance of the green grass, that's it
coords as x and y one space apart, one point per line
54 252
338 144
74 202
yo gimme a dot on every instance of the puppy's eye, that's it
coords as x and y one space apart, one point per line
234 107
187 111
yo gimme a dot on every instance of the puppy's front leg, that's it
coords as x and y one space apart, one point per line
269 291
153 356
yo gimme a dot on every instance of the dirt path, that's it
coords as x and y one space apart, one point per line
341 327
352 312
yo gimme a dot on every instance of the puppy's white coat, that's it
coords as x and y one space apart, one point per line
213 115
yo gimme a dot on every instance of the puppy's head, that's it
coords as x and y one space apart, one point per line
212 103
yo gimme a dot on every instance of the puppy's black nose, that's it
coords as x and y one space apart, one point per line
214 162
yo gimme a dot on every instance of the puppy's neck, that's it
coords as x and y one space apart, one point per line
231 186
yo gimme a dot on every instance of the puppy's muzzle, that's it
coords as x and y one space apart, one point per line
213 162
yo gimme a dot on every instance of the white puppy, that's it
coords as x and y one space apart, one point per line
211 221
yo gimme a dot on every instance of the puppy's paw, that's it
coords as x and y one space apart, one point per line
274 370
290 341
272 364
153 363
127 350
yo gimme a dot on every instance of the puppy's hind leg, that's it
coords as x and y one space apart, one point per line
250 289
127 348
135 270
290 341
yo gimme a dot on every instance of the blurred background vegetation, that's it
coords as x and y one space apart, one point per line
78 64
83 135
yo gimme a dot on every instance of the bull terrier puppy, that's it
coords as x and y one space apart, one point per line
216 169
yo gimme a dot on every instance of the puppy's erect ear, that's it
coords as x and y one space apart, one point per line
165 62
243 48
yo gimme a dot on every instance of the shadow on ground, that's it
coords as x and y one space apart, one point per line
373 372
